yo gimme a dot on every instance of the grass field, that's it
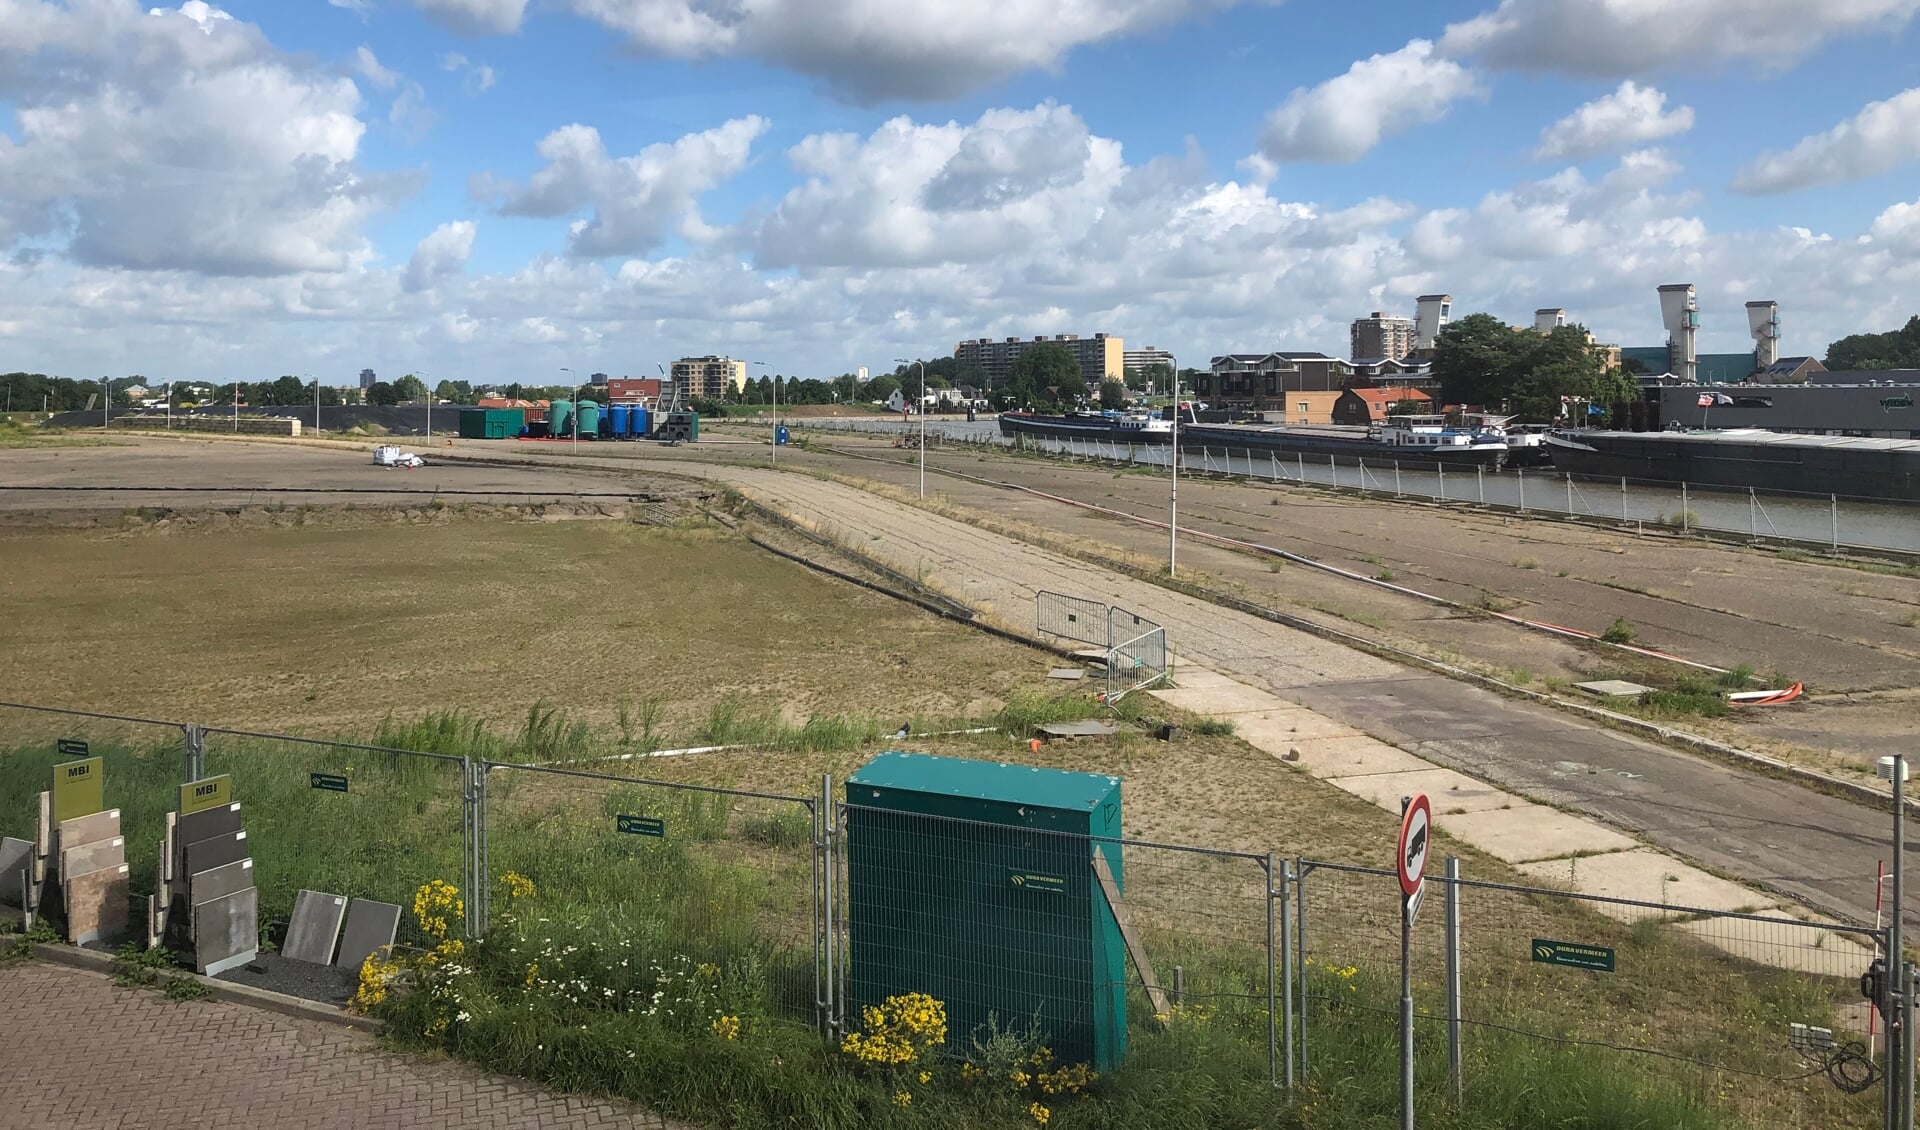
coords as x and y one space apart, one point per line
330 630
442 636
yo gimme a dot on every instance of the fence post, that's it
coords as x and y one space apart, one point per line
1442 469
1333 472
1273 1049
1480 482
1569 495
1623 499
1286 960
1908 984
1753 515
1686 519
1300 950
1273 457
1453 980
1302 457
826 937
1833 514
1396 478
1521 474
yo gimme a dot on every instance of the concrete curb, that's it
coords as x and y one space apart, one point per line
93 961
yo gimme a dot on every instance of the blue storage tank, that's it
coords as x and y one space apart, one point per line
642 422
620 415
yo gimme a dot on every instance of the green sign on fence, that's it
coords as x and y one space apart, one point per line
1573 953
331 782
641 825
72 747
1029 881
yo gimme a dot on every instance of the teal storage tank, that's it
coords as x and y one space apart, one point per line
560 418
588 413
984 886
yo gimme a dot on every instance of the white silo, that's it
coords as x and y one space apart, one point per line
1763 320
1431 312
1682 317
1546 320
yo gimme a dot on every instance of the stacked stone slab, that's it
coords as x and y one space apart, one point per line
208 909
74 872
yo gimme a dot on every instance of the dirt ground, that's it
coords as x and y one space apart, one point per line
325 621
1845 631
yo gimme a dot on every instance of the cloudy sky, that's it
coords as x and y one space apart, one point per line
492 189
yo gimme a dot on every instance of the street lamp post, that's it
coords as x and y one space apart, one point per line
1173 500
316 402
575 419
106 398
423 378
923 421
776 414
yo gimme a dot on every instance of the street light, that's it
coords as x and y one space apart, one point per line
423 377
1173 500
575 421
106 398
923 420
316 401
776 413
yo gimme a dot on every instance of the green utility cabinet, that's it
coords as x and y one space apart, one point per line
975 882
491 423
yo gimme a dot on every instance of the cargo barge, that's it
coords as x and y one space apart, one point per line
1416 440
1747 458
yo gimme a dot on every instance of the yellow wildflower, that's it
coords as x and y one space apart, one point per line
926 1077
726 1027
903 1098
517 886
1040 1114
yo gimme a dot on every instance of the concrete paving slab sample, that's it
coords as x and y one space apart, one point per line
218 882
1612 688
89 829
1452 794
1530 832
314 927
1357 755
370 925
215 851
1649 876
96 905
1068 673
1288 724
82 858
1086 729
16 861
205 825
226 931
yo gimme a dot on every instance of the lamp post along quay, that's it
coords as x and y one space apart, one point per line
923 420
1173 460
573 420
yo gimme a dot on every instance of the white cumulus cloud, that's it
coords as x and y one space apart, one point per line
1881 136
443 252
367 66
1631 115
635 201
1633 37
178 138
873 50
1346 116
476 17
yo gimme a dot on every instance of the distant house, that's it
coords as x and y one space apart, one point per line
1789 371
1375 368
1369 405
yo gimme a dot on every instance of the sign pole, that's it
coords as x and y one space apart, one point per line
1406 1016
1410 861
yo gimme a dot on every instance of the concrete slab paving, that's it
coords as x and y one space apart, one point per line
1355 755
1528 832
1649 876
1800 948
1452 794
1228 698
1289 724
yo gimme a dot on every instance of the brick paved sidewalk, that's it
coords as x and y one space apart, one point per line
79 1052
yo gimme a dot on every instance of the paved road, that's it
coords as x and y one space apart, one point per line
1780 835
82 1054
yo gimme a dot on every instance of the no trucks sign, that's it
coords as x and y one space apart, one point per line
1416 835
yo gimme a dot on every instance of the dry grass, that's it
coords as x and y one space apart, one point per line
273 623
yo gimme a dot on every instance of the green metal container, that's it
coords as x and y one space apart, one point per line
974 882
588 413
491 423
559 418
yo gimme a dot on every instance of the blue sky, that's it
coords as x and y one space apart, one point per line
494 188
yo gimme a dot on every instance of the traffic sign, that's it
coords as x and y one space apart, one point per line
1416 834
1412 903
72 747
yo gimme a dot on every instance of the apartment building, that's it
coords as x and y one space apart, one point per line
1102 356
1263 382
1146 358
709 377
1381 335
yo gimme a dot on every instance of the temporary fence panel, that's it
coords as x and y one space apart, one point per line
1125 625
360 821
708 894
1136 663
1071 618
1708 995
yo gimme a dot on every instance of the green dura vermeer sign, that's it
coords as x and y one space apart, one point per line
1029 881
1574 954
331 782
72 747
640 825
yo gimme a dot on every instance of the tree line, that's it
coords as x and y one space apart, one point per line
1895 349
1481 361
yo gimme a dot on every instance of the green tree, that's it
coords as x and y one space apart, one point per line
383 393
880 387
1479 358
411 389
1896 349
1046 374
1113 394
1158 375
454 392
